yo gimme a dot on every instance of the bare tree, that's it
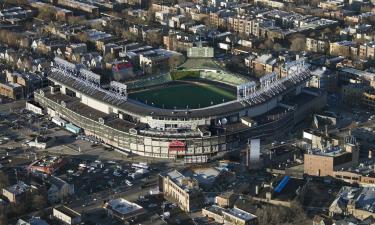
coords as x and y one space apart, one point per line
4 181
298 42
3 217
39 201
47 13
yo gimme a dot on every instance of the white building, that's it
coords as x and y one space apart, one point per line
67 215
123 209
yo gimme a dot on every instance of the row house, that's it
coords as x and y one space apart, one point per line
343 48
179 42
317 45
367 50
48 45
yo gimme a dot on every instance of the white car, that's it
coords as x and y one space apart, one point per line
128 183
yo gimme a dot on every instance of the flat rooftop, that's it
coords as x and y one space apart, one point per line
68 211
123 206
205 175
47 161
215 209
241 214
364 197
178 178
329 151
18 188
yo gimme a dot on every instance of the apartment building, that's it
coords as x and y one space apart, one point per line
182 190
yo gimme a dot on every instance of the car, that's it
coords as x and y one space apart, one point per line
128 183
152 205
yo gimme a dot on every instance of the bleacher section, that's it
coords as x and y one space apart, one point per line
149 81
223 77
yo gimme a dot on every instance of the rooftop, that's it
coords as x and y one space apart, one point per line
68 211
123 206
241 214
47 161
363 197
329 151
205 175
18 188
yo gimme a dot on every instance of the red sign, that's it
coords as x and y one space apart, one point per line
177 146
122 66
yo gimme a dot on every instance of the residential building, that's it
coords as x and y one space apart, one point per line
230 216
59 189
67 215
326 155
323 78
123 209
16 193
32 221
236 216
349 75
48 164
343 48
367 50
368 98
225 199
11 90
181 189
356 201
271 3
317 45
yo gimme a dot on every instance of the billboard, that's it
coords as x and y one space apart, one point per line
122 70
200 52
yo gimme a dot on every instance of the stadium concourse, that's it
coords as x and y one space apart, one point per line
108 113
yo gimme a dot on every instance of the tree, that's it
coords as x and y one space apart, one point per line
82 37
39 201
76 20
154 38
9 37
3 217
129 36
266 45
47 14
4 181
108 58
277 47
298 42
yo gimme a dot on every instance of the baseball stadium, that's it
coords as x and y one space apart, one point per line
195 112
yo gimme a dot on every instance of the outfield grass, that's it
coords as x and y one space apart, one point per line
182 95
